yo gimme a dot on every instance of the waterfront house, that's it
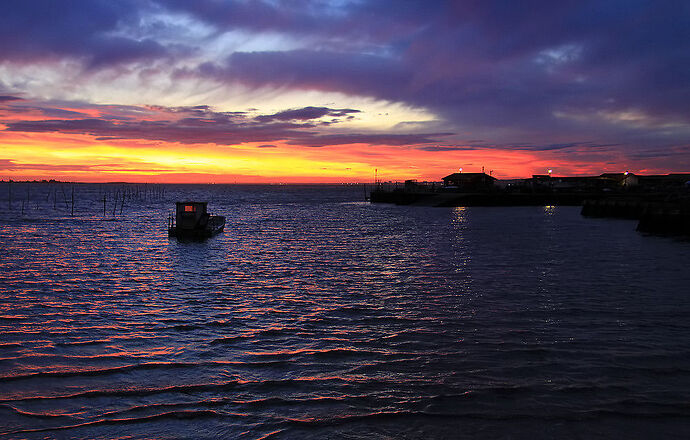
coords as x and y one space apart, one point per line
469 181
548 183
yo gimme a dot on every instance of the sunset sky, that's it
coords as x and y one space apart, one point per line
328 91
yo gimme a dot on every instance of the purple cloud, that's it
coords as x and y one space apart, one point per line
306 113
437 148
371 139
489 65
11 165
8 98
38 30
200 124
303 69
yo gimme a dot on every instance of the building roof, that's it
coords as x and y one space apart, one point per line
673 176
467 176
191 203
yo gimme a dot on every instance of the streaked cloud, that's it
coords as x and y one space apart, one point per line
201 124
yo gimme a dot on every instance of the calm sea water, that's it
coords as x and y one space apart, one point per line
317 315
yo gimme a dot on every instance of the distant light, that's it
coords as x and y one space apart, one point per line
550 171
460 170
626 173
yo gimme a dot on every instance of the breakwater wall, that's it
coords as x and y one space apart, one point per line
655 212
655 217
632 208
450 199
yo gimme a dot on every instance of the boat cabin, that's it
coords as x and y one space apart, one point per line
192 221
191 215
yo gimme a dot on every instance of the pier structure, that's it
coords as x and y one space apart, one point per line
661 203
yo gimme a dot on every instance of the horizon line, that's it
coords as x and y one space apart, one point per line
118 182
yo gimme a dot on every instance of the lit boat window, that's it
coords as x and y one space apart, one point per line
189 208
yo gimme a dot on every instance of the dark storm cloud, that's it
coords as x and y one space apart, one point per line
296 16
318 70
482 63
37 30
532 67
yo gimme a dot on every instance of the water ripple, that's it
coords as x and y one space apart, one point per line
317 316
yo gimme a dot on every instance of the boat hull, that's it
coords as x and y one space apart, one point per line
215 225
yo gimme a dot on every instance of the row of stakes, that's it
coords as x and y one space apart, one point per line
119 196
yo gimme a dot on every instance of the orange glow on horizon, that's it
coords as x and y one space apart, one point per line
36 156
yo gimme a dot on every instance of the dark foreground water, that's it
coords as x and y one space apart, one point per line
316 315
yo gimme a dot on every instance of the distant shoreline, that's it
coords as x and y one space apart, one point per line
188 183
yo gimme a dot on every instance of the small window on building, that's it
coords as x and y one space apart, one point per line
189 208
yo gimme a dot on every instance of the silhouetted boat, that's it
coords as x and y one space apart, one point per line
193 221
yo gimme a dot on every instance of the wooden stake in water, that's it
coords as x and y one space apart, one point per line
72 200
103 204
9 199
64 196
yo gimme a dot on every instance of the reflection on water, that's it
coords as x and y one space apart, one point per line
316 315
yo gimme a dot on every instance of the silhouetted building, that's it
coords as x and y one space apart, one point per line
622 179
546 182
411 185
469 181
